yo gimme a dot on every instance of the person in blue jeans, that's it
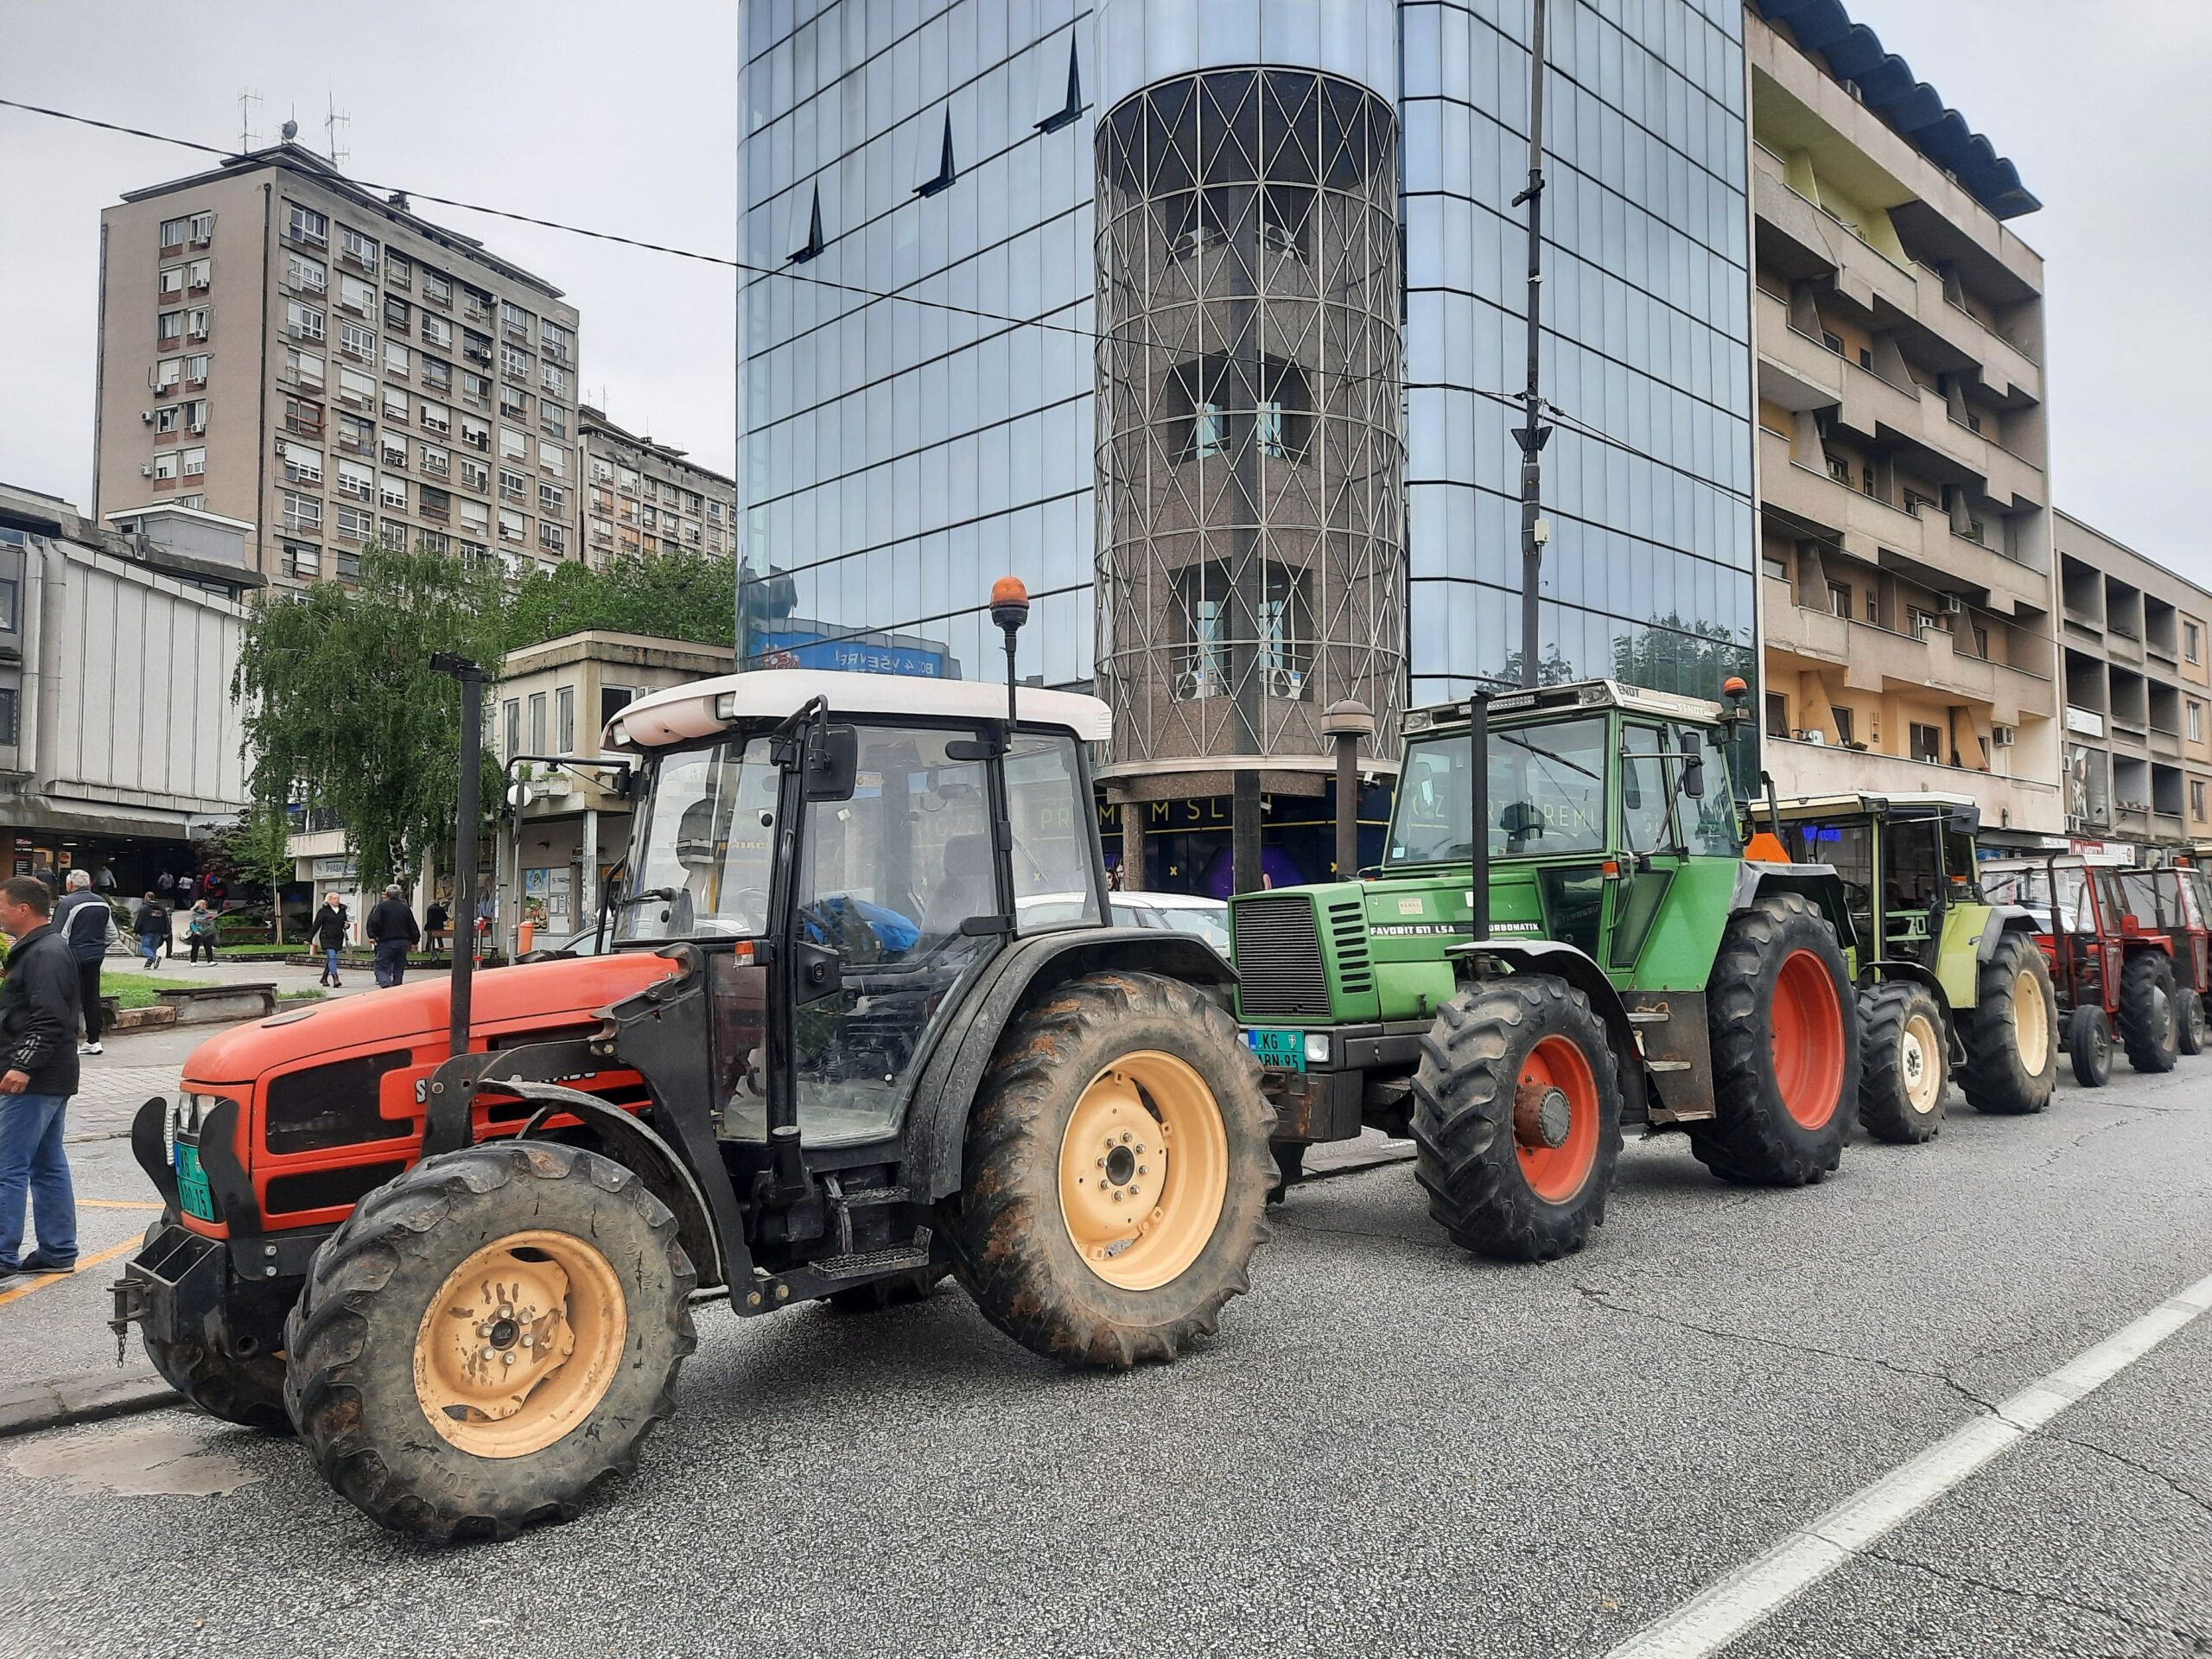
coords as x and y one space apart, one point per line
38 1046
330 925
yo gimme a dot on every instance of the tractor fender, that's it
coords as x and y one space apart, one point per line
1890 968
1818 882
937 1124
2003 919
638 1147
1579 970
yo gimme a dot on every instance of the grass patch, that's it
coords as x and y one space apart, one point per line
134 988
310 995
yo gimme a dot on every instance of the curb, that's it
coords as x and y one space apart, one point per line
63 1401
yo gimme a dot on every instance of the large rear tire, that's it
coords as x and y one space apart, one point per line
1115 1173
1779 1007
2011 1035
249 1392
1517 1119
489 1335
2148 1017
1904 1063
2088 1046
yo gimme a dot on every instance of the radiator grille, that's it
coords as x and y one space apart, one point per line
1278 951
1348 932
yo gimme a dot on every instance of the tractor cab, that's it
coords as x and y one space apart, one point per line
2167 901
1906 862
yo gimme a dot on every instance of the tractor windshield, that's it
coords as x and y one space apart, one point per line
2154 899
1547 794
699 856
2030 888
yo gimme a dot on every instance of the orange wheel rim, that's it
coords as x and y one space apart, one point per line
1556 1156
1808 1023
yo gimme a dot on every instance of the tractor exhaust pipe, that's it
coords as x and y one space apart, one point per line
1478 814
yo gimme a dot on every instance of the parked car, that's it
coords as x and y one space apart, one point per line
1175 912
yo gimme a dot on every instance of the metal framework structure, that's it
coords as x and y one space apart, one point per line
1251 446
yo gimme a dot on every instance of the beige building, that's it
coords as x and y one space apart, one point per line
279 346
644 498
557 698
1908 594
2138 645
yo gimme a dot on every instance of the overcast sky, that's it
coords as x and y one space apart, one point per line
624 119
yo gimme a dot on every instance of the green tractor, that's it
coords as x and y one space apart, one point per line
1947 978
1600 953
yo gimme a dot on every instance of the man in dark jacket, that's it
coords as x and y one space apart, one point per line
83 919
330 925
392 929
38 1045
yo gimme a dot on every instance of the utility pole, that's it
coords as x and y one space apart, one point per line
473 677
1533 433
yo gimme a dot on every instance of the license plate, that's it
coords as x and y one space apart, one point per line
1282 1051
192 1190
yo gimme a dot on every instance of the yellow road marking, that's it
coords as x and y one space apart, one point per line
117 1204
45 1278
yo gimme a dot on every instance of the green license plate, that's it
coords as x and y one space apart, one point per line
192 1189
1282 1051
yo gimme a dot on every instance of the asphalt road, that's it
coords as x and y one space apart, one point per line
1390 1447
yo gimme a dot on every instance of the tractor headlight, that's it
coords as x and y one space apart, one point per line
1317 1048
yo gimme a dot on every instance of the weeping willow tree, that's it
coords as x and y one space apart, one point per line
343 710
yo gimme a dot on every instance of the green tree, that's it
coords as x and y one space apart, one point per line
342 708
258 849
674 595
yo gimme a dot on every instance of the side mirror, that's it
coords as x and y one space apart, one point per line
1965 820
832 763
1693 765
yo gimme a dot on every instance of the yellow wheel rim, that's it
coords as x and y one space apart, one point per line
520 1344
2030 1023
1921 1062
1144 1170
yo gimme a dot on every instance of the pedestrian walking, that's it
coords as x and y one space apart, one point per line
166 885
200 931
153 924
392 929
184 888
86 924
434 920
330 925
38 1044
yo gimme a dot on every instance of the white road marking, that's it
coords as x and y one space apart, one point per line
1725 1609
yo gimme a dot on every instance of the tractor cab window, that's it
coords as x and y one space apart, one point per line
700 856
1648 773
1052 883
1912 873
2030 888
1547 794
1850 848
2153 898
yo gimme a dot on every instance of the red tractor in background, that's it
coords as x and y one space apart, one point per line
2167 901
2109 974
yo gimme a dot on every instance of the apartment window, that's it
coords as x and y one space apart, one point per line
197 502
300 560
1865 358
1833 342
166 419
398 270
391 534
475 475
308 275
355 523
2196 720
553 378
392 491
511 525
1777 714
395 313
1839 469
169 326
437 462
302 225
514 362
355 433
1874 607
551 498
564 719
173 232
513 445
301 464
514 320
437 417
476 348
556 341
435 505
713 512
514 402
552 458
300 512
1839 599
436 331
552 419
395 404
195 463
356 342
603 532
355 478
2196 790
165 465
1926 742
356 296
553 537
304 321
173 283
475 433
513 486
438 373
195 369
356 388
472 552
393 450
437 287
2191 643
396 359
627 478
197 323
1842 720
476 390
301 368
475 519
361 249
166 372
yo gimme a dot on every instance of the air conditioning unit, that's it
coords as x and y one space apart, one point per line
146 470
1197 683
1814 737
1952 605
2001 737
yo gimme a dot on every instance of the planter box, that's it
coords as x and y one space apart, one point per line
157 1018
205 1005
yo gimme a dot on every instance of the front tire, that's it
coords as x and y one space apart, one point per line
1115 1173
2088 1046
2148 1017
1905 1063
488 1335
1785 1047
2011 1035
1517 1119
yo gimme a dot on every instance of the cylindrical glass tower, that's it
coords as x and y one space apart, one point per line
1250 448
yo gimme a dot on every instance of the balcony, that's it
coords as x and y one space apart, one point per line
1802 768
2122 644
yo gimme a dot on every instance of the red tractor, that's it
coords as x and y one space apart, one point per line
2109 974
2166 901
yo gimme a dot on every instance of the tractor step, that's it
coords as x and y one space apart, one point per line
1668 1065
1648 1016
871 1264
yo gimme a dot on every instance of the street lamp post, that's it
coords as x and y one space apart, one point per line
1349 723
